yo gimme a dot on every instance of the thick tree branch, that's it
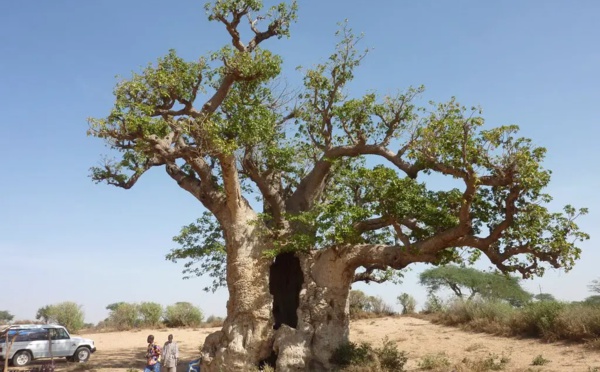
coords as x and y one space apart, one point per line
368 275
213 200
232 185
268 185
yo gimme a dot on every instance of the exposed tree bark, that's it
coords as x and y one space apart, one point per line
246 336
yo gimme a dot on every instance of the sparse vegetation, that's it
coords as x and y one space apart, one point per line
548 320
364 306
434 361
492 362
352 357
539 361
213 321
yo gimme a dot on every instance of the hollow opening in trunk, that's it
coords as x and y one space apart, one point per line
285 283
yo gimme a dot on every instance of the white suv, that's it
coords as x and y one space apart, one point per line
33 341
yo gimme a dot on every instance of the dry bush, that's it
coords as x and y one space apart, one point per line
593 344
578 322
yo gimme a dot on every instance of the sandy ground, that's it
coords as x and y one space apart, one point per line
119 351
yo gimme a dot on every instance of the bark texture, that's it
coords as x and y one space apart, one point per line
246 336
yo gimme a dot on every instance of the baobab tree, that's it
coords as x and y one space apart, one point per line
224 132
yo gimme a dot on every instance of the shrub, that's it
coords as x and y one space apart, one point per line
434 361
183 314
214 321
433 305
408 303
124 316
492 362
479 315
577 322
67 314
538 319
151 313
379 307
593 344
390 358
539 361
362 357
350 353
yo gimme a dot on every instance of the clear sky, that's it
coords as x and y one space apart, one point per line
533 63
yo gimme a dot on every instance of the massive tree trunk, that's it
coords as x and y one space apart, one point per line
247 333
291 312
322 314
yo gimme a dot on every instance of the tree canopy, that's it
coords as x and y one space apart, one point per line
5 316
225 133
467 281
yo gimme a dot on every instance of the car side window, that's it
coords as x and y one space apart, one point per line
38 335
61 334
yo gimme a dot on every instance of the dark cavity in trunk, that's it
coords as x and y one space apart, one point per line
285 283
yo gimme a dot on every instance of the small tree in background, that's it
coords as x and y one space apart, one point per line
595 286
408 303
123 315
358 302
44 314
151 313
183 314
5 317
469 282
592 300
67 314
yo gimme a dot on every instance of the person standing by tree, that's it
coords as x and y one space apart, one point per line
152 356
170 355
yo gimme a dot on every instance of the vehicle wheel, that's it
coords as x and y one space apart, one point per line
21 358
82 355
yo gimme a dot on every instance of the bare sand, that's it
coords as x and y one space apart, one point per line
120 351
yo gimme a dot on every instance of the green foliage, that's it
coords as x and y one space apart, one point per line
114 306
364 357
44 314
434 361
223 129
592 300
487 285
433 304
488 316
183 314
151 313
123 315
539 361
538 319
390 358
549 320
5 317
67 314
351 353
202 244
408 303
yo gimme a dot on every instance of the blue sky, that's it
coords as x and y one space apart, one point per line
533 63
